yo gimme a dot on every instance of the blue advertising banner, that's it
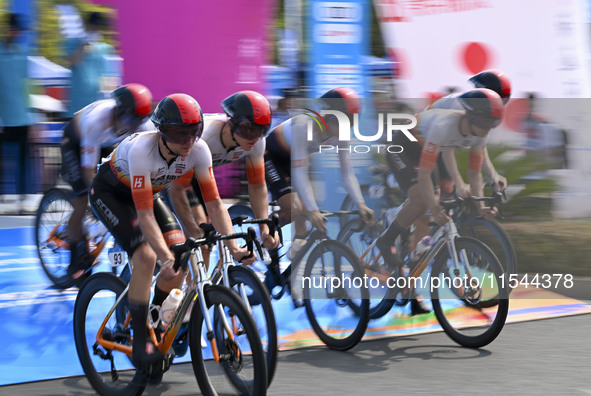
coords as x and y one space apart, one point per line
338 36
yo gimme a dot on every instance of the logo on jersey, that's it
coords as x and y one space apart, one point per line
431 147
138 182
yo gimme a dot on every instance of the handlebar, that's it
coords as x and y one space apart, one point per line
272 222
211 237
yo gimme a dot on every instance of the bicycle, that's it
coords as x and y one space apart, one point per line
328 303
359 236
385 198
51 236
251 290
465 275
103 340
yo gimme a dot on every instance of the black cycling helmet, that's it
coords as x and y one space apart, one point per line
484 107
178 117
495 80
134 100
250 114
343 99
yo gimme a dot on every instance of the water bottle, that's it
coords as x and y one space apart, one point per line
170 304
422 247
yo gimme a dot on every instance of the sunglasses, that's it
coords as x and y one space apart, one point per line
245 129
182 134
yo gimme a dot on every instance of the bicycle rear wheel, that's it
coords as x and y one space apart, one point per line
241 368
332 282
262 312
108 371
51 222
457 300
493 235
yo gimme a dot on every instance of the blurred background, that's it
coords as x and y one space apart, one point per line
398 54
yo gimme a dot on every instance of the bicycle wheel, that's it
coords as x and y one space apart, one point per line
359 237
464 319
109 372
332 279
493 235
51 220
262 312
241 368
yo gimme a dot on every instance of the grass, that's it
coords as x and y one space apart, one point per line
547 247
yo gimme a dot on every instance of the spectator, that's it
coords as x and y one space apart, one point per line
88 63
14 103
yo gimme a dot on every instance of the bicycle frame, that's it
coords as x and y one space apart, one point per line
194 290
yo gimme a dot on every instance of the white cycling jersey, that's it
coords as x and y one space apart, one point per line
302 148
139 165
220 154
94 125
440 131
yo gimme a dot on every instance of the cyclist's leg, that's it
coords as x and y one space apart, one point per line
199 211
117 211
171 230
72 173
403 166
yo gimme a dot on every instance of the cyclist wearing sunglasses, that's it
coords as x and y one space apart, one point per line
439 131
124 197
494 80
239 134
96 127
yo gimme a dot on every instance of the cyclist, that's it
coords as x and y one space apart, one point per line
288 152
97 126
497 81
240 134
440 130
123 197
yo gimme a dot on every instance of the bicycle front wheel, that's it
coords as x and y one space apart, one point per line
333 281
471 310
241 368
262 311
359 237
51 223
109 372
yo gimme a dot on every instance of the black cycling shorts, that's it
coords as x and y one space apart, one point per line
113 204
71 168
277 169
405 165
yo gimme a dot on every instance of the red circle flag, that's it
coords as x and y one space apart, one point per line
475 57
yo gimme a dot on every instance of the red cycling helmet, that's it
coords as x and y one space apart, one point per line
178 117
343 99
495 80
484 107
133 100
250 114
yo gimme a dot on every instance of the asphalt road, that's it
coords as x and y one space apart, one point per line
543 357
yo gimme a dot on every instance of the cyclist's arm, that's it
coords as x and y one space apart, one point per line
216 209
352 186
427 163
180 202
449 160
257 186
500 182
141 191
